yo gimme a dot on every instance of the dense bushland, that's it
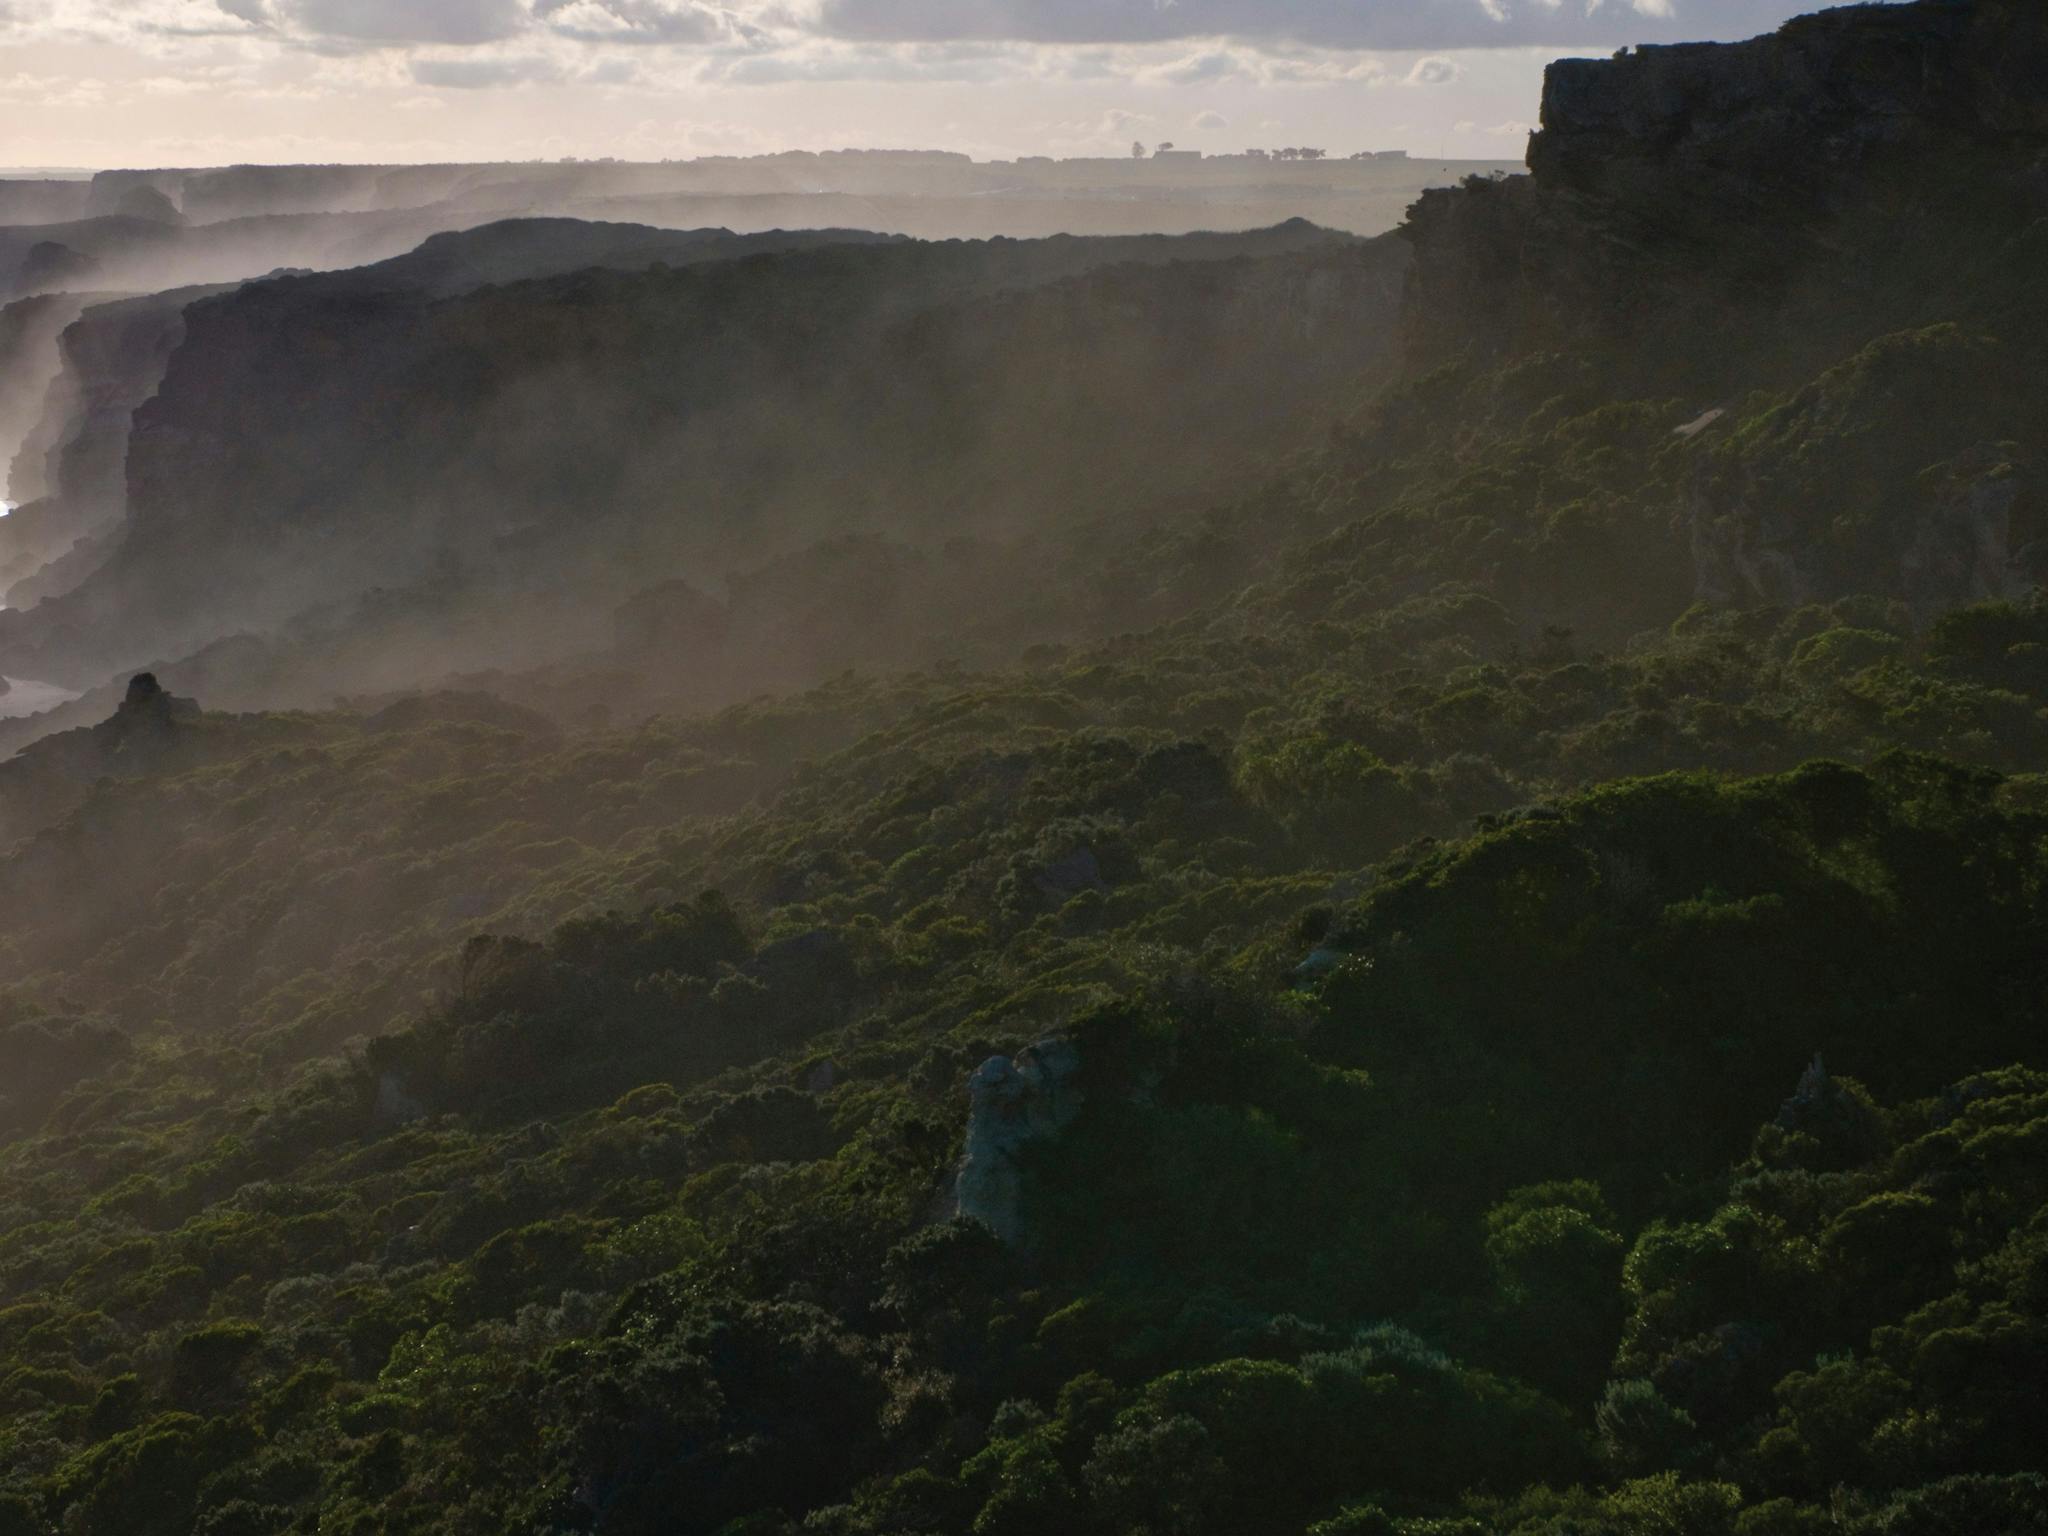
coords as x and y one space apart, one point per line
1547 896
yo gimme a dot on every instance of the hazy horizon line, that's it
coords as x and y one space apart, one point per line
18 172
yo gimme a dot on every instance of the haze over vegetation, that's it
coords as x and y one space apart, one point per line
873 844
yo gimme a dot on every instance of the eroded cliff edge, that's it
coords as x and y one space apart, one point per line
317 440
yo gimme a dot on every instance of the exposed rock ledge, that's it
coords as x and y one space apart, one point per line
1012 1104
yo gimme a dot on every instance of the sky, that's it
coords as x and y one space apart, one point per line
98 83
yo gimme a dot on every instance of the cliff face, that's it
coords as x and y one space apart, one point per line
72 465
48 258
1718 223
1828 94
1805 181
29 360
315 440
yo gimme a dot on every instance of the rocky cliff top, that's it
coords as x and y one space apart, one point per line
1845 219
1811 189
1824 91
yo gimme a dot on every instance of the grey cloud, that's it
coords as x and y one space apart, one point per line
484 74
958 65
631 21
403 21
1390 24
223 20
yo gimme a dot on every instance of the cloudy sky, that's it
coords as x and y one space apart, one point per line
181 82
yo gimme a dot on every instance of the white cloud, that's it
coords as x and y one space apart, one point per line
383 22
1387 24
1433 69
1208 67
1332 68
631 21
110 81
776 41
45 91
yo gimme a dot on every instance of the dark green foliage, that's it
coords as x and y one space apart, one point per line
728 1412
633 1226
46 1057
435 1120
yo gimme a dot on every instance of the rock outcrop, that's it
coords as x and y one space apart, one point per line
149 707
52 266
151 730
145 202
81 253
1850 214
1012 1104
1828 1111
1782 179
1828 93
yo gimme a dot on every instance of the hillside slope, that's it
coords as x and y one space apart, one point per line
1403 1008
